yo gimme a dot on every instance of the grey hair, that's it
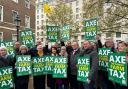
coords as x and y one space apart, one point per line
63 47
23 46
3 47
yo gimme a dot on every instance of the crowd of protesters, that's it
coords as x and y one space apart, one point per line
97 79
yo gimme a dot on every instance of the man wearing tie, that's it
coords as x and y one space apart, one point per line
74 84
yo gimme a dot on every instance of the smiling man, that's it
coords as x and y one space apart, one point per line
88 50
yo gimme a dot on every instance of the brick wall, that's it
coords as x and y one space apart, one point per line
8 6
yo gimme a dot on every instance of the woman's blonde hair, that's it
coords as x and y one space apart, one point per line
3 47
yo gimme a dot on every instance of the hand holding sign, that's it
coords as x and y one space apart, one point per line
23 65
90 29
83 66
60 67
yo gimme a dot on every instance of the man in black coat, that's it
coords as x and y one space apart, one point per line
33 50
92 53
74 84
17 45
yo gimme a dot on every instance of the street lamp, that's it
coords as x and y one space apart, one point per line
17 22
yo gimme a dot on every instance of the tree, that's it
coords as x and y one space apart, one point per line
61 14
112 14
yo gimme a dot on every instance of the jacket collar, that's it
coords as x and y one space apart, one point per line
88 50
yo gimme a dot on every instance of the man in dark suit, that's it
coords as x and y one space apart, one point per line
33 50
73 65
88 50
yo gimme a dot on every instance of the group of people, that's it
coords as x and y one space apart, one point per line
97 79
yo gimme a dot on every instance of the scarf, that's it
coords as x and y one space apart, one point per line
40 53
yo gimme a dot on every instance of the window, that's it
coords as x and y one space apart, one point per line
118 41
37 22
38 28
77 3
37 33
27 4
14 15
118 34
15 1
42 21
1 36
108 35
1 13
37 16
27 21
42 39
42 10
41 33
37 11
81 43
77 10
82 37
42 16
77 16
76 37
14 37
37 6
71 4
42 27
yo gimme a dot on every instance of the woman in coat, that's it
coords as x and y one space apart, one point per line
105 82
122 48
50 79
60 82
39 81
22 81
5 59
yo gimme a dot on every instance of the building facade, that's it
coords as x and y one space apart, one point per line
9 9
40 21
77 8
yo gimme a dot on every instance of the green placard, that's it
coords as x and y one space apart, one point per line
103 58
27 37
23 65
9 46
6 78
60 67
65 33
83 65
49 64
118 68
90 29
38 66
52 33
